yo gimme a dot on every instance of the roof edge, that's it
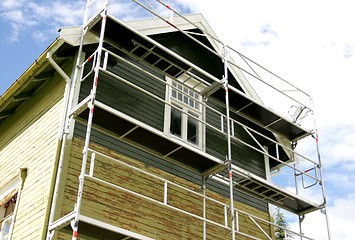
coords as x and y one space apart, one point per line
25 77
150 26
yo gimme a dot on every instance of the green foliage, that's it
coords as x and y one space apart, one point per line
279 220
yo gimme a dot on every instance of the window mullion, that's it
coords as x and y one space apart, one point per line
184 119
183 107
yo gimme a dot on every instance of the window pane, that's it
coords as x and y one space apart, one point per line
192 129
6 226
191 93
191 102
180 96
186 99
6 216
186 90
185 95
175 122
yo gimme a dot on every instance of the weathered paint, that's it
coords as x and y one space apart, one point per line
29 139
138 215
150 111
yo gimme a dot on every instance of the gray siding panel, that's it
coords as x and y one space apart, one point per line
148 110
129 100
242 155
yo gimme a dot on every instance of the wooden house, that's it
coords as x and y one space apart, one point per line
141 130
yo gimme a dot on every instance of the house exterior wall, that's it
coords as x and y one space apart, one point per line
29 139
119 208
150 111
116 207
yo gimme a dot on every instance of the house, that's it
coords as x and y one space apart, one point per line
141 130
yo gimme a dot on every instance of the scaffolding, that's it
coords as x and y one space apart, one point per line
251 107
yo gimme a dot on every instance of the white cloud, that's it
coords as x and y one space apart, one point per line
49 16
341 218
338 145
29 17
18 22
127 10
10 4
343 178
15 16
67 14
309 43
38 10
315 52
41 36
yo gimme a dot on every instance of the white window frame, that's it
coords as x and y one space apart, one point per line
189 101
7 192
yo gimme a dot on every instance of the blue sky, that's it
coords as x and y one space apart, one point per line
309 43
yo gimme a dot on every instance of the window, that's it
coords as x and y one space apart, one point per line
8 201
184 114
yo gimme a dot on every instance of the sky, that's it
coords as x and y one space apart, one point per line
309 43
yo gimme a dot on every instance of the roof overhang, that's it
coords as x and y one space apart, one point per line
245 101
62 48
25 86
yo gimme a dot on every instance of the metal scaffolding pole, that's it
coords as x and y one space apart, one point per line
75 223
71 83
204 180
321 182
225 57
300 217
324 209
229 154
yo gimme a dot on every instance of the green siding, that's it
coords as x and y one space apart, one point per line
127 99
216 142
150 111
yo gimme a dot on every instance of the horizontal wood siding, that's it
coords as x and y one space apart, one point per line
150 111
216 142
242 156
127 99
29 140
136 214
136 153
216 145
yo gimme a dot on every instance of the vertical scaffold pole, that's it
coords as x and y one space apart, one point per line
324 210
66 118
75 223
229 154
301 217
204 180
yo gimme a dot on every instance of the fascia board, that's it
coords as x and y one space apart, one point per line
72 36
26 77
158 26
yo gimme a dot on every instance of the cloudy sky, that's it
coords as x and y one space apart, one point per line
309 43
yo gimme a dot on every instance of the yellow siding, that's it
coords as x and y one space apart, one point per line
29 139
144 217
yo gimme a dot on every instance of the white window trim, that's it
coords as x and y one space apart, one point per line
185 109
11 186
